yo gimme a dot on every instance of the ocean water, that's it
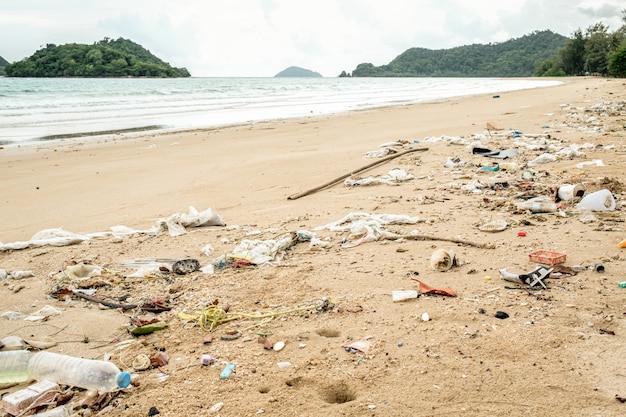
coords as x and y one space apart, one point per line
37 109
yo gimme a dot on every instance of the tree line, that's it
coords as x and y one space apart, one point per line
541 53
594 51
106 58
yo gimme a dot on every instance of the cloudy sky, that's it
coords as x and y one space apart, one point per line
262 37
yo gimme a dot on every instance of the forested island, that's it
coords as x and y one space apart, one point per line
106 58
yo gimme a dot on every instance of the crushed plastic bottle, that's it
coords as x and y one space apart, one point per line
84 373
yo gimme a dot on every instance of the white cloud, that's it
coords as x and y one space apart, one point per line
262 37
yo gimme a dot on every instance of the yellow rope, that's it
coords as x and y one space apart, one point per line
212 316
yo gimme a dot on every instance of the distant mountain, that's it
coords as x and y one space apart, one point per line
513 58
298 72
3 63
106 58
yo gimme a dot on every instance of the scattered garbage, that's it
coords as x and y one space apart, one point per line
501 315
570 191
442 260
531 278
601 200
227 371
402 295
494 226
547 257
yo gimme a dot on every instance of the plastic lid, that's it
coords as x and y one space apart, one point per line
123 379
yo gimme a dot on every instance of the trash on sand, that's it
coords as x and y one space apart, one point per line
394 177
177 223
531 278
365 227
601 200
547 257
595 162
442 260
147 329
363 345
33 396
501 315
213 315
227 371
185 266
15 274
258 252
79 272
494 226
570 191
402 295
206 359
538 205
12 343
622 244
542 159
427 289
141 362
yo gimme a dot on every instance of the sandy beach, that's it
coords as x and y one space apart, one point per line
559 351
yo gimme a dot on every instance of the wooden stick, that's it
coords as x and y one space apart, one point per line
105 303
446 239
366 167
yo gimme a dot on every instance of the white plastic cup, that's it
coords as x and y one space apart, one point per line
442 260
599 201
569 191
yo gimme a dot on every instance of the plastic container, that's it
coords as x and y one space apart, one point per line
538 206
599 201
547 257
569 191
35 395
84 373
401 295
14 366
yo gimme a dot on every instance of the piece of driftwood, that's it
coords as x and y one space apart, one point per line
105 302
343 177
445 239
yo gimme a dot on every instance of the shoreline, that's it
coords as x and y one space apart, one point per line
42 173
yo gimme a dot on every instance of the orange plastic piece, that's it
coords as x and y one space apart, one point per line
425 288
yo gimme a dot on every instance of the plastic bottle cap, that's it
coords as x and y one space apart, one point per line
123 379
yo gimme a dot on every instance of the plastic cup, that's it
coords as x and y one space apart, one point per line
569 191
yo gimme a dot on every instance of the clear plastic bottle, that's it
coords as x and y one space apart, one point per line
538 206
14 366
84 373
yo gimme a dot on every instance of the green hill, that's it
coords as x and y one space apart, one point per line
513 58
298 72
3 63
106 58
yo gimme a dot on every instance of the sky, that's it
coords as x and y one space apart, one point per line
260 38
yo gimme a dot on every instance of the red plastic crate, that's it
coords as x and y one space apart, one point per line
547 257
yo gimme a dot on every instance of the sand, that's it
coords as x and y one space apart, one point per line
559 352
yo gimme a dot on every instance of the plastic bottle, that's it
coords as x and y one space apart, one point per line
14 366
401 295
538 206
84 373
